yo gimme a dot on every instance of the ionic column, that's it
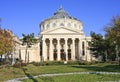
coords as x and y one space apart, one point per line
44 54
66 48
58 49
73 49
51 50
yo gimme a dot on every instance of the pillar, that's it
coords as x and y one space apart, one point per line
66 49
73 49
51 50
80 49
58 49
44 54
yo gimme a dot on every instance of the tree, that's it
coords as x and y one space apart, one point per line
28 40
113 35
7 42
97 45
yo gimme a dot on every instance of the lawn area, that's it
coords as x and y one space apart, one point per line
77 78
10 72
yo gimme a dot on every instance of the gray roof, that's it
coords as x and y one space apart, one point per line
61 13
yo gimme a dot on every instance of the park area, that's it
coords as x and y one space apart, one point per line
71 72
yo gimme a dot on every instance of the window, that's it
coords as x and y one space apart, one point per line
69 25
54 25
48 25
61 24
75 25
83 48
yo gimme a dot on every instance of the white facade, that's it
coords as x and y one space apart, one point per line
61 38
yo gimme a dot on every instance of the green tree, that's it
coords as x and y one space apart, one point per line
28 40
97 45
113 35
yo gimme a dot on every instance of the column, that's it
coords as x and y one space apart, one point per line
58 49
51 50
66 49
44 54
80 49
73 49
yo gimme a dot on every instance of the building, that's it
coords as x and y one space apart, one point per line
61 38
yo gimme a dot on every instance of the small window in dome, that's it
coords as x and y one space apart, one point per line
61 24
48 25
69 25
54 24
75 25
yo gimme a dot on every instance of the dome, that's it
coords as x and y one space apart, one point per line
61 19
61 13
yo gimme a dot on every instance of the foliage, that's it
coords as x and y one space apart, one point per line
97 45
113 36
28 40
113 30
7 42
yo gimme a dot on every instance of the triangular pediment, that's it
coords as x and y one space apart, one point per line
61 31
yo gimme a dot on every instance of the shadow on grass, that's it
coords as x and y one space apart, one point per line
47 79
106 68
28 75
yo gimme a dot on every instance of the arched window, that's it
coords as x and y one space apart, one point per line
69 25
54 25
48 25
75 25
61 24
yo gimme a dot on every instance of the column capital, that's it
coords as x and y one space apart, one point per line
73 38
43 39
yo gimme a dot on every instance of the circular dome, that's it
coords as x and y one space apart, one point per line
61 13
61 19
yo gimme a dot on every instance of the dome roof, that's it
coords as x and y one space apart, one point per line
61 13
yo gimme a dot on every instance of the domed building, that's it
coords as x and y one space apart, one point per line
62 38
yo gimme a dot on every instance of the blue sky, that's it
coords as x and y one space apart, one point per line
24 16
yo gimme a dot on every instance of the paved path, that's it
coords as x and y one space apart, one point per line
58 74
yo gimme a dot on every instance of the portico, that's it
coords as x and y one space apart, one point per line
62 49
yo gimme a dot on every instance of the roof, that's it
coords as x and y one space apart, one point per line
61 13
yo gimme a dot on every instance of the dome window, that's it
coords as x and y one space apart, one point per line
69 25
61 24
48 25
75 25
54 24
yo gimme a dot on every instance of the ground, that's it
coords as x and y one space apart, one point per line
7 73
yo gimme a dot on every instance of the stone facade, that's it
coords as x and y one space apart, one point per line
61 38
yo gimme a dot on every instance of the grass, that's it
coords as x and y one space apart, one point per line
10 72
77 78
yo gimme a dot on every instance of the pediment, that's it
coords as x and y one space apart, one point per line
61 31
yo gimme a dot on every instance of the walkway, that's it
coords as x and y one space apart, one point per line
58 74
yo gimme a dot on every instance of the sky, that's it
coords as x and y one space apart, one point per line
25 16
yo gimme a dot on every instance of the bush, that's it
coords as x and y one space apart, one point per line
18 65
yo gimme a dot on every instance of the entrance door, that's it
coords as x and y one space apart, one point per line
69 54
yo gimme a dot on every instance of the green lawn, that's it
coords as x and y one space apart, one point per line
77 78
10 72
